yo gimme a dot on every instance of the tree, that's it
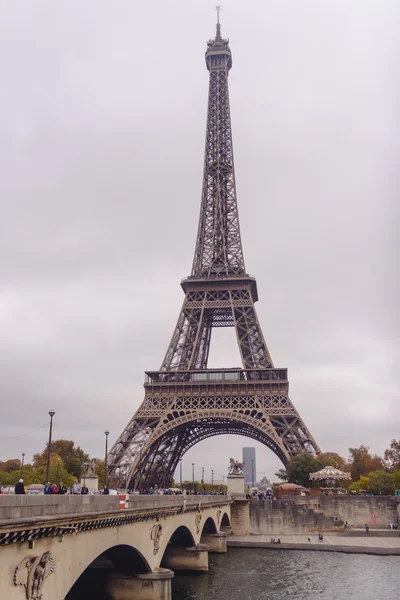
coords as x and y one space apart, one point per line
13 464
298 469
381 482
72 457
392 455
362 485
282 474
331 459
100 472
396 479
362 462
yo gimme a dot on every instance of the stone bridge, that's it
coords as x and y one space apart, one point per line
71 546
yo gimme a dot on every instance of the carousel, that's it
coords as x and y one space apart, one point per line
328 481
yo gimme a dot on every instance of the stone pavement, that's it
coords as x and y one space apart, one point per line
364 544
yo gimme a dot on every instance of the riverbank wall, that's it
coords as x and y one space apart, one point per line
324 513
377 551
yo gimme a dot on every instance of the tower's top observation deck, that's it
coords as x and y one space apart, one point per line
216 48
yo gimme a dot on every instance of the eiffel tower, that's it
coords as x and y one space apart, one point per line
186 402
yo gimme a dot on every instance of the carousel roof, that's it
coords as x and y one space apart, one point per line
330 473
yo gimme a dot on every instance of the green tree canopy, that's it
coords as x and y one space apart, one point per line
298 469
362 485
396 479
381 482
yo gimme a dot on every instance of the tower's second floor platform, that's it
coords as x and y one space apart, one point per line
217 381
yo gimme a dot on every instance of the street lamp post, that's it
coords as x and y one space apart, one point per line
193 476
58 469
22 465
252 472
212 480
202 478
106 433
180 472
51 413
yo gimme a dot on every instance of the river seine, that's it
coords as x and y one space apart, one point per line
262 574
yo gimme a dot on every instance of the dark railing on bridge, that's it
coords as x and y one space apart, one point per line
216 375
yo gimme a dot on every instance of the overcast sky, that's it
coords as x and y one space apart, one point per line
102 123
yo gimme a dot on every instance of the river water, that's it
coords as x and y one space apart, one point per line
262 574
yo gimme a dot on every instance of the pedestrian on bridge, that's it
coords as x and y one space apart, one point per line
62 489
19 487
48 489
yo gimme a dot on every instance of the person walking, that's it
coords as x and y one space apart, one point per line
75 487
19 487
48 489
106 491
84 490
62 489
54 488
366 528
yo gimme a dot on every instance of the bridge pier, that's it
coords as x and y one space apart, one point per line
194 558
147 586
240 517
216 542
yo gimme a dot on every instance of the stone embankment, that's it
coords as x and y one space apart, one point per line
361 544
325 514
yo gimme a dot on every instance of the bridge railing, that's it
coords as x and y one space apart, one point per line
19 507
27 507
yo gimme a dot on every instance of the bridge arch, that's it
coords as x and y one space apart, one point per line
209 526
120 558
225 521
181 537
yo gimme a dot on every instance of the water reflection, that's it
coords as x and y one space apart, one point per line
251 574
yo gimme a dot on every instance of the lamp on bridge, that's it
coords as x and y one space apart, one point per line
212 480
22 465
193 476
106 433
51 413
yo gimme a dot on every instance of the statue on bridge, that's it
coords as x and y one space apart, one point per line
235 467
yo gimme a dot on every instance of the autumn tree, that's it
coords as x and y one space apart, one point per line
361 462
13 464
392 456
72 457
100 472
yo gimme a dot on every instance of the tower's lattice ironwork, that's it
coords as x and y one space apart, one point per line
184 401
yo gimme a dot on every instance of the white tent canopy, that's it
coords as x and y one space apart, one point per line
330 473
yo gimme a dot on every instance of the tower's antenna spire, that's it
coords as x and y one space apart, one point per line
218 8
